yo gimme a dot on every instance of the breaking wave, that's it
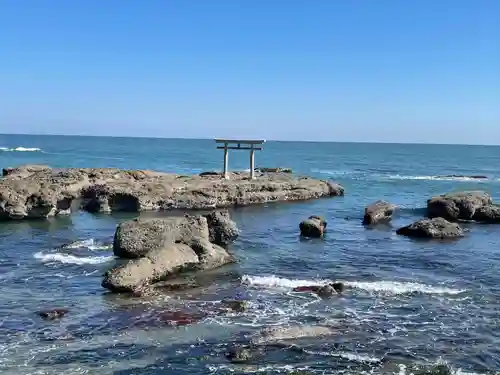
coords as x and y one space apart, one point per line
71 259
389 287
90 244
358 175
20 149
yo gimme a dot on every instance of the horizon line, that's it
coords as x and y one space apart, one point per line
267 139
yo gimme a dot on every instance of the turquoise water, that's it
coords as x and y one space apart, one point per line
406 301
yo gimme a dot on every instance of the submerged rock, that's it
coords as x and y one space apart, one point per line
160 249
380 211
457 206
267 338
53 314
34 192
432 228
314 227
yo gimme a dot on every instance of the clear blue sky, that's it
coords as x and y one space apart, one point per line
346 70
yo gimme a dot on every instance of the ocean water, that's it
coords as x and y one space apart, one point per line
407 302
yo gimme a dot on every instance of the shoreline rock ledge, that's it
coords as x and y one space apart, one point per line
156 249
39 191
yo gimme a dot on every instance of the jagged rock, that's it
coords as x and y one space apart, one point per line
314 227
135 238
222 229
380 211
30 192
432 228
487 214
24 170
161 248
457 206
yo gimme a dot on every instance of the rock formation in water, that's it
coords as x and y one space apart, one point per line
37 191
260 342
432 228
378 212
314 227
466 205
161 248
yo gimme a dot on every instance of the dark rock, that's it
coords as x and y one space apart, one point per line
313 227
243 354
487 214
24 170
30 192
210 173
222 230
53 314
380 211
335 190
273 170
432 228
160 249
457 206
235 305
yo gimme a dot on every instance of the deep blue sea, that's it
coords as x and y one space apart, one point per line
407 302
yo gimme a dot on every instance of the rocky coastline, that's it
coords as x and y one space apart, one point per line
39 191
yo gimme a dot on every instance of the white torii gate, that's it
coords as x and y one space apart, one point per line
240 144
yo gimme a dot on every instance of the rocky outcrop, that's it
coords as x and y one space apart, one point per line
432 228
457 206
222 230
378 212
487 214
161 248
34 192
313 227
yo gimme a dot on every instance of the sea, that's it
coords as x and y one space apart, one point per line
407 303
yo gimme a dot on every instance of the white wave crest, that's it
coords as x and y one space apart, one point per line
437 178
90 244
390 287
349 356
20 149
71 259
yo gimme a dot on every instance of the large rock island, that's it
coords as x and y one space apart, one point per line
38 191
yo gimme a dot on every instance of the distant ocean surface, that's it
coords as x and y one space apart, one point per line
406 302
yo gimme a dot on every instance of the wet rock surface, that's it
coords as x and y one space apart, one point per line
378 212
313 227
53 314
458 205
38 191
161 248
432 228
272 338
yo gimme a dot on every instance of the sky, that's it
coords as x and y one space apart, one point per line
328 70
